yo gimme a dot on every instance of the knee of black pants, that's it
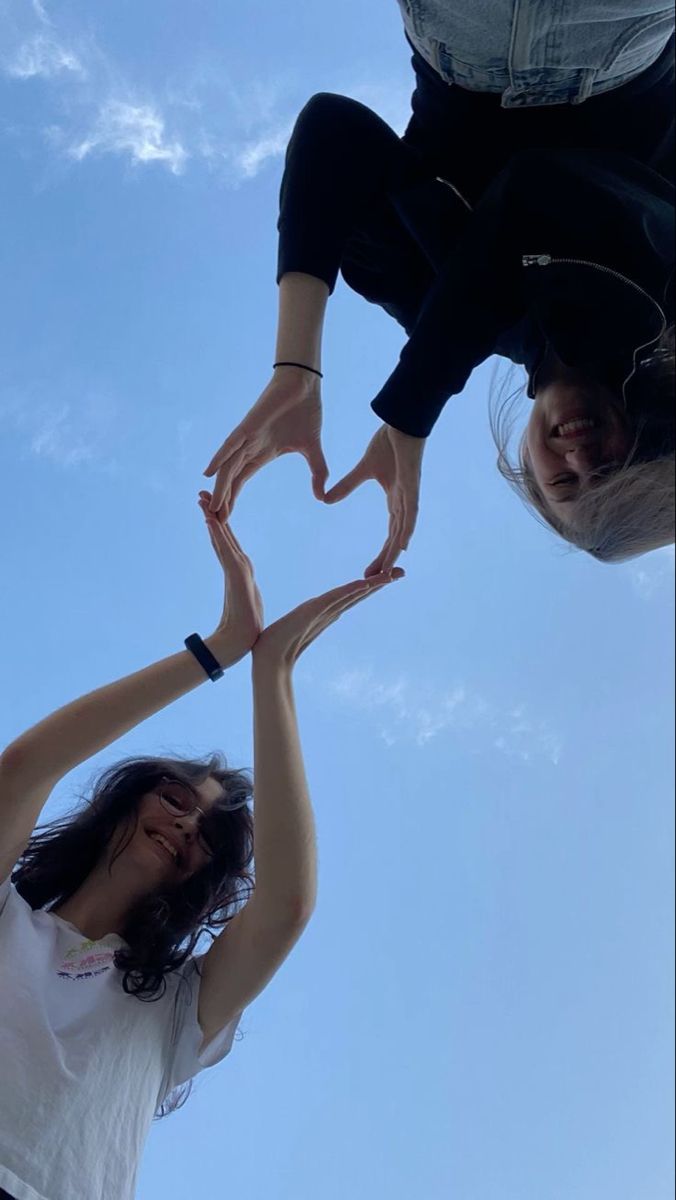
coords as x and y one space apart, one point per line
345 133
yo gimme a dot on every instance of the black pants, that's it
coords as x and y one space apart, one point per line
356 198
469 138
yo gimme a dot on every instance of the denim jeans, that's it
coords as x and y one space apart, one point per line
536 52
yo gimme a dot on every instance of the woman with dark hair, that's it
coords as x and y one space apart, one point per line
105 1010
544 235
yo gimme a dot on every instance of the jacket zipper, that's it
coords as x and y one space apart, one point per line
458 194
545 260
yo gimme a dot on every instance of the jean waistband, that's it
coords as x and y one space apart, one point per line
532 61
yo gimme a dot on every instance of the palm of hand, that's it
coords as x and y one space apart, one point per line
286 639
242 621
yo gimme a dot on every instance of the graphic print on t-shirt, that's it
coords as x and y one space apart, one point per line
88 959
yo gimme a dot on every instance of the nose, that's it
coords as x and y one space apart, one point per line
187 825
190 822
585 458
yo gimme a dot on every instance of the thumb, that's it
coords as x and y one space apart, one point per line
348 483
319 468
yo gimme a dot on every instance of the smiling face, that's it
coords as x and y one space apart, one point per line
576 433
170 839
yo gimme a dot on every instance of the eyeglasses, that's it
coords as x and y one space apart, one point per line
179 801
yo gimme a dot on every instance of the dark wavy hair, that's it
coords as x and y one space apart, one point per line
163 927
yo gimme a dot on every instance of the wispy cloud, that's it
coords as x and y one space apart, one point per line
89 95
201 118
43 56
136 130
250 158
40 12
67 433
651 575
402 710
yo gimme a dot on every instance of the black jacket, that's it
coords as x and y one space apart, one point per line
468 137
568 249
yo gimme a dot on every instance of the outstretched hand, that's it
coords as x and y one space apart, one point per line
285 640
286 418
394 460
241 620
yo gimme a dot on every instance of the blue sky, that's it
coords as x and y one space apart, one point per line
481 1006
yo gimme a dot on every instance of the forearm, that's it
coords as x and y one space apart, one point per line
302 307
284 827
72 734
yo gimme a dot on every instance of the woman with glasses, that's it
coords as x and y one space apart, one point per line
104 1008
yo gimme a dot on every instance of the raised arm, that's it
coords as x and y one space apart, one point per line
347 176
287 417
248 953
34 762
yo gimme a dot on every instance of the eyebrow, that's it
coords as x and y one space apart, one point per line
180 786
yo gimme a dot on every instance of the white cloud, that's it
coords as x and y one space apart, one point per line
255 154
64 432
134 129
40 12
201 116
43 56
405 711
56 440
651 574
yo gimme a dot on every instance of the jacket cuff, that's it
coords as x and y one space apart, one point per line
400 404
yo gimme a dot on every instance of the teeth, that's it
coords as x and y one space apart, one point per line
575 426
157 837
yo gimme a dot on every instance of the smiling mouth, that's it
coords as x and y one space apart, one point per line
574 428
163 845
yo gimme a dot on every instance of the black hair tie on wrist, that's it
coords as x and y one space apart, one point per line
303 367
205 658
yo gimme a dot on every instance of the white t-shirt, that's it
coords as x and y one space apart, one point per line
83 1065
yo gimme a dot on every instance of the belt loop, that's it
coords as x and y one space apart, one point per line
586 84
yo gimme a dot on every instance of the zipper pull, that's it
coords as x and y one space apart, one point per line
536 260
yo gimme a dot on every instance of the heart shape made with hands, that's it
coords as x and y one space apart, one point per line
242 625
392 459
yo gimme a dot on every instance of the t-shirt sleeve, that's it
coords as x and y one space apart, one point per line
186 1059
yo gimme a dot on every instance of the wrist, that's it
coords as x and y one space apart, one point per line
220 646
269 664
305 372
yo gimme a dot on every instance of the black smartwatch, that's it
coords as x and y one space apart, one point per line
205 658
